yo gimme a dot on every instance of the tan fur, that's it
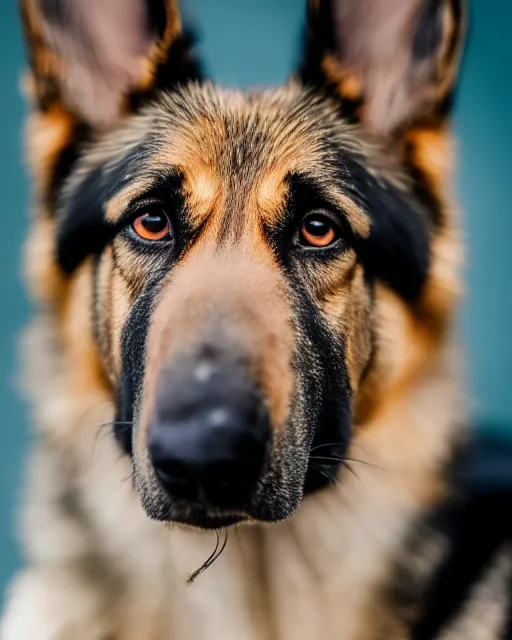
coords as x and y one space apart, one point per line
308 576
190 303
305 587
46 135
313 586
97 567
349 85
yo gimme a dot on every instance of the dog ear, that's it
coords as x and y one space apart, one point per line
97 58
392 62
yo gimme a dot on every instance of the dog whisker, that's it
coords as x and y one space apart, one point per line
328 444
345 459
339 444
102 431
217 552
347 466
329 476
342 461
122 425
111 422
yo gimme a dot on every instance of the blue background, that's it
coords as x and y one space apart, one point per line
256 43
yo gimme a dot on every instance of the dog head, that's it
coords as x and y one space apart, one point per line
244 256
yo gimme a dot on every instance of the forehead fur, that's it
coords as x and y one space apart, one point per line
222 139
241 160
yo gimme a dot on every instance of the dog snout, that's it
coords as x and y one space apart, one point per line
210 432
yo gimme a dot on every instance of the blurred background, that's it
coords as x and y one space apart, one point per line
255 42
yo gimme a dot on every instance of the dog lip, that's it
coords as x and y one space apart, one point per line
200 515
203 520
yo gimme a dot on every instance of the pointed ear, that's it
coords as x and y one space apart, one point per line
94 58
392 62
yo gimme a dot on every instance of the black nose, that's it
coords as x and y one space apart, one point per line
209 435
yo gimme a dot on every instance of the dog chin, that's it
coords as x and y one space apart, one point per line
206 517
198 516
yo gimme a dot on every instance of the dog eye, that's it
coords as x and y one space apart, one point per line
318 231
152 226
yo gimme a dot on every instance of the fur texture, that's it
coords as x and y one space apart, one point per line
357 516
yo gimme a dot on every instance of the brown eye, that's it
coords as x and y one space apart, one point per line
152 226
318 231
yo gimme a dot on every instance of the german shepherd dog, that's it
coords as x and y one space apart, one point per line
244 339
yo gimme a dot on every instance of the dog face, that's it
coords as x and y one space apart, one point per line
237 251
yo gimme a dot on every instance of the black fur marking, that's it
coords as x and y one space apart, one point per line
83 229
320 40
320 360
397 250
473 523
54 11
179 68
429 30
479 533
157 16
320 364
507 631
445 106
133 341
133 362
66 161
458 20
469 525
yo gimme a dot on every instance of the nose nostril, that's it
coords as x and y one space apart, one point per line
177 478
175 470
224 484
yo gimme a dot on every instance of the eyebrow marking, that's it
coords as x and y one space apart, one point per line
271 192
358 219
116 206
203 192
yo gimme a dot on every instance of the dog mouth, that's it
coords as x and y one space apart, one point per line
275 496
212 504
209 453
205 516
200 516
